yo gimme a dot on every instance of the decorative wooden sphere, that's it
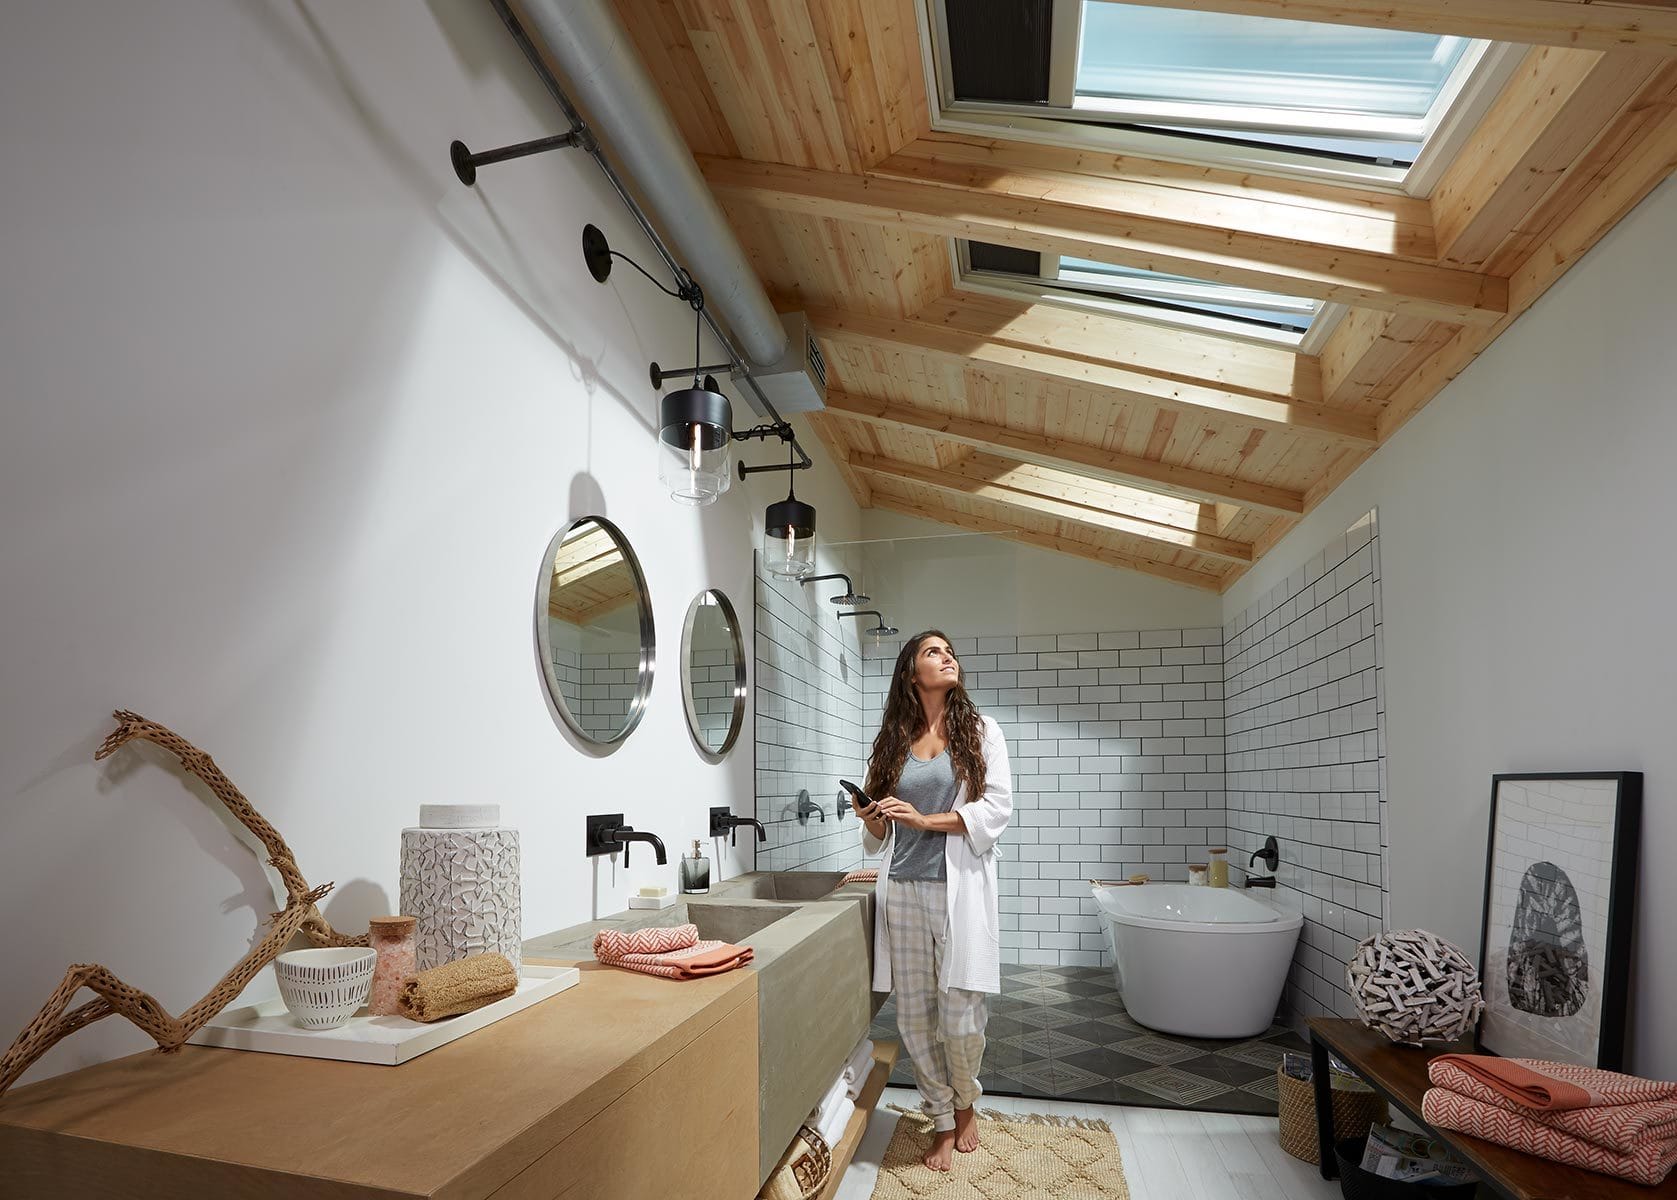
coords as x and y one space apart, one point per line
1414 987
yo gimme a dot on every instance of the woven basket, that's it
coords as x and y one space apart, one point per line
1355 1110
802 1171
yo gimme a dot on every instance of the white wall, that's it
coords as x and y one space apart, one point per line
289 418
981 585
1526 529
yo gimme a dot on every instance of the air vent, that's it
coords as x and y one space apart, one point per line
798 382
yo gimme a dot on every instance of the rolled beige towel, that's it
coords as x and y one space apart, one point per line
457 987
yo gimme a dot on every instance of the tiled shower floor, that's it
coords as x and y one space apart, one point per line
1062 1033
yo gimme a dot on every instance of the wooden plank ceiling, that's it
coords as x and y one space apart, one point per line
1179 453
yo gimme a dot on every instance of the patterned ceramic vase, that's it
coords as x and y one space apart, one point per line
460 884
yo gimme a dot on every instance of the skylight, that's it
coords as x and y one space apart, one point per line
1150 295
1361 103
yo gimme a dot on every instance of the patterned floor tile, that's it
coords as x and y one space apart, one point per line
1048 1043
1122 1020
1176 1087
1037 1076
1035 977
1258 1053
1153 1049
1039 995
1069 1078
1042 1016
1266 1087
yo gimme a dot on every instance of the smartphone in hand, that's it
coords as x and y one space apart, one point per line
864 802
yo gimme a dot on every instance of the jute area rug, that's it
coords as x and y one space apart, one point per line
1062 1158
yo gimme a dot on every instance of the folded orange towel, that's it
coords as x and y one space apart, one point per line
1551 1086
865 875
1444 1109
1625 1128
615 943
674 952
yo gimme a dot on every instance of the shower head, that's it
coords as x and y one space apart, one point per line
884 631
850 598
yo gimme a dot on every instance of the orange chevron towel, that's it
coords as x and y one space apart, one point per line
1648 1165
674 952
1626 1128
865 875
1532 1085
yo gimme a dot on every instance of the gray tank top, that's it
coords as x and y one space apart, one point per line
930 787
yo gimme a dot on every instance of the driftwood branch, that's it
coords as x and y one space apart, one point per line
301 914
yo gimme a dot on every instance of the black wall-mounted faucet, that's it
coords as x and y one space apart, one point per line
607 834
1271 856
808 808
724 822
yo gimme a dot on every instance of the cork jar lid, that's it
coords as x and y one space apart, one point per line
389 926
1217 850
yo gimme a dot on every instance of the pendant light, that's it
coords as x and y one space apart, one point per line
789 533
695 430
695 457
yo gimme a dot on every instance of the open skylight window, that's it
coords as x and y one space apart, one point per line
1260 92
1149 295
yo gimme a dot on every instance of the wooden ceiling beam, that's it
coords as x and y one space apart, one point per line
1594 24
1047 541
1188 355
1556 105
1085 507
1033 216
1080 457
1196 400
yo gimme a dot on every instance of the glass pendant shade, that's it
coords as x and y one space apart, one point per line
789 538
695 457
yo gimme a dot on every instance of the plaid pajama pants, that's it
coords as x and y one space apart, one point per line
943 1032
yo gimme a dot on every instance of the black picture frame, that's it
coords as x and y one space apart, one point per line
1600 986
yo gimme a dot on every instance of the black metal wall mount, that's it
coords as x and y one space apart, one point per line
466 163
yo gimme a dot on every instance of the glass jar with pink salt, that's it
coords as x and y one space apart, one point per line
392 938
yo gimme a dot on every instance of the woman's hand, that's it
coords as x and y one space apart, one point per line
869 811
902 812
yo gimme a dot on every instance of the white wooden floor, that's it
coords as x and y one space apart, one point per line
1168 1154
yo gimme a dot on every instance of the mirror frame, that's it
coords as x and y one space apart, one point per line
648 639
741 686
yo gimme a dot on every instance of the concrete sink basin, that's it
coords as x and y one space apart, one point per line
784 885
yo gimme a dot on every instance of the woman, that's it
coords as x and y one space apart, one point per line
943 792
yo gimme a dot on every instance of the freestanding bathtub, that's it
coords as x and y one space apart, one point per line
1198 961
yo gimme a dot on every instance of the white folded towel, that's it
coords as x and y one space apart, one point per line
832 1129
829 1103
856 1070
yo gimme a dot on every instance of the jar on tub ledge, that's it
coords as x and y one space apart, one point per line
1217 870
393 939
1197 874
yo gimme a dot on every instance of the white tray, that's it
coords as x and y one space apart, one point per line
387 1041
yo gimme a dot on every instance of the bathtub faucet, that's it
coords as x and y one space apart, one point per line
1271 854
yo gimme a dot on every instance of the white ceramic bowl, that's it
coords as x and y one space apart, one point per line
324 987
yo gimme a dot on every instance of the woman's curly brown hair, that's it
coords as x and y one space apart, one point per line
905 720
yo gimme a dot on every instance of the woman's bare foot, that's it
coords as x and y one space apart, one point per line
941 1156
966 1130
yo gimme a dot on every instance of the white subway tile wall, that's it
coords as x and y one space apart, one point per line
1306 756
807 710
1116 742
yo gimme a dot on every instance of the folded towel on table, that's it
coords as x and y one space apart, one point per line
865 875
1444 1109
674 953
457 987
831 1127
1626 1128
857 1068
1549 1086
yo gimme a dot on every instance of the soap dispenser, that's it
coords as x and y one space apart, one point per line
695 871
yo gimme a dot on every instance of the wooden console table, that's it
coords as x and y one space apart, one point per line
1399 1073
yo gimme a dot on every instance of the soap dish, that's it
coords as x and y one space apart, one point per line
665 901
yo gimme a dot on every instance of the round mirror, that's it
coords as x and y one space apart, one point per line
594 628
713 673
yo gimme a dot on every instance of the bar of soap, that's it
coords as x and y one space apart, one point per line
655 891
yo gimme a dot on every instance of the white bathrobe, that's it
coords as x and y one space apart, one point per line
973 958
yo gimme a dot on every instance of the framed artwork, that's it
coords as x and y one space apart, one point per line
1560 885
